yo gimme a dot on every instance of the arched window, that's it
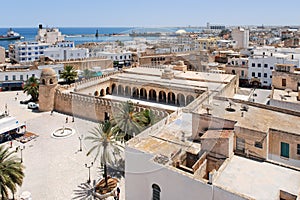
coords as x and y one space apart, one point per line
155 192
51 81
43 81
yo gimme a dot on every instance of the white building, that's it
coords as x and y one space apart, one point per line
49 35
16 76
261 65
119 58
65 53
27 52
241 36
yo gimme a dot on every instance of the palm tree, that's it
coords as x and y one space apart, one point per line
127 119
32 88
104 138
11 172
149 118
69 74
88 74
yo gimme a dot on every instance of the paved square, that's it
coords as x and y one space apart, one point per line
53 167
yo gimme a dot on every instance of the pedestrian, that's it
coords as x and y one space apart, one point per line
16 98
17 93
72 119
51 113
66 119
11 143
118 193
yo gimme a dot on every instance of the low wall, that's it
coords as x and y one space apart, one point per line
92 108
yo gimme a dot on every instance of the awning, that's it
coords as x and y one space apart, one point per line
9 124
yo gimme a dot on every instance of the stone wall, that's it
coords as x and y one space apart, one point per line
92 108
250 137
292 80
89 63
275 139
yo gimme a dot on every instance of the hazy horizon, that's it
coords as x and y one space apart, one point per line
155 13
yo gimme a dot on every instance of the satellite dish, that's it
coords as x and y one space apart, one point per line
244 107
207 107
229 108
282 97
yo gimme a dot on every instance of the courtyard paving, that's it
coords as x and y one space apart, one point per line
54 168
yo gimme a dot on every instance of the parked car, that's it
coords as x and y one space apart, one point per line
25 101
32 105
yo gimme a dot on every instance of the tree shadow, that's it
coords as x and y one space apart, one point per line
84 191
117 171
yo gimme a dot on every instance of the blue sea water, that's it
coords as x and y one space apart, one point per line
83 35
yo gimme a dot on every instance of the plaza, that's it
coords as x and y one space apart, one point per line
54 167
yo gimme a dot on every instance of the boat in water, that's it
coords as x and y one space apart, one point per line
11 35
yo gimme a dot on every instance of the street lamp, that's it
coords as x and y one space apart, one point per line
89 167
80 142
21 148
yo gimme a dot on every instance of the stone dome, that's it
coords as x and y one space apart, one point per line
181 31
48 72
167 70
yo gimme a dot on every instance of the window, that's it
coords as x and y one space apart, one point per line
258 145
21 77
14 77
298 149
258 65
270 76
284 149
253 74
36 53
283 82
266 65
243 62
253 64
271 68
155 192
242 73
6 78
265 75
259 74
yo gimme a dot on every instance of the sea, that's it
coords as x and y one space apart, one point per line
84 35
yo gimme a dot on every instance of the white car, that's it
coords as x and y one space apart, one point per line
32 105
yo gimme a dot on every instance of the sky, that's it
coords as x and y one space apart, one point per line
147 13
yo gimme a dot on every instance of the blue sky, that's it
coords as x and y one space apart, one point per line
147 13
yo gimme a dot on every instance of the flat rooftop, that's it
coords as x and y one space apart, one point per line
188 75
167 141
255 118
259 180
282 95
142 79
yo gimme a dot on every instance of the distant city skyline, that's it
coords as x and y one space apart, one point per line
155 13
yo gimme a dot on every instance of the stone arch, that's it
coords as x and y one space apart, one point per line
51 81
171 98
121 90
96 93
180 99
43 82
102 92
114 88
162 97
108 90
189 99
143 93
135 92
152 95
127 91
